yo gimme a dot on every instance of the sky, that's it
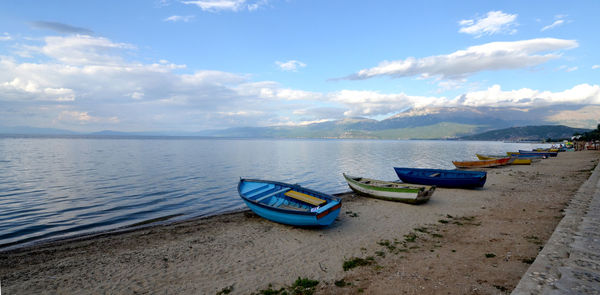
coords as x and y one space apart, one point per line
192 65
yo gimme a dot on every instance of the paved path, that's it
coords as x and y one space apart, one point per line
570 260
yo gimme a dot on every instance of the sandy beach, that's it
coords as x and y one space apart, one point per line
478 241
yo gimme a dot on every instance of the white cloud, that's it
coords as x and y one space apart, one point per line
5 37
79 117
290 65
89 75
594 67
82 49
96 88
373 103
486 57
568 69
494 96
179 18
137 95
162 3
227 5
274 91
555 24
495 22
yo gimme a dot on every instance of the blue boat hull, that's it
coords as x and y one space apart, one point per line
292 218
543 154
442 177
528 156
268 200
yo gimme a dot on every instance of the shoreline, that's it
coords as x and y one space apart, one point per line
245 252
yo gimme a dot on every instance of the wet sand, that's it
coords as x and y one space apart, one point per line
477 241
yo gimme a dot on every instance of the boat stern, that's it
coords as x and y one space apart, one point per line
328 213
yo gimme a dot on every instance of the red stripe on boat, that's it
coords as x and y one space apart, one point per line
324 213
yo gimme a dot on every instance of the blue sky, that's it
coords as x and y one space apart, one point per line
192 65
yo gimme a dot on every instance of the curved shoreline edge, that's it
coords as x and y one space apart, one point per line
569 263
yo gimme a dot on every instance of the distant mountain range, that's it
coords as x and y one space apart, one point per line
469 123
528 133
424 123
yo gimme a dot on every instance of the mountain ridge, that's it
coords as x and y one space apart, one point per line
416 123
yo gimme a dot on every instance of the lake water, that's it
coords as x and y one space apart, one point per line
58 187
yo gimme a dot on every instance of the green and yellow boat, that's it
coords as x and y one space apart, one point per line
390 190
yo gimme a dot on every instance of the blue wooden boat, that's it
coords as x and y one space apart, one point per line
289 203
547 154
442 177
526 156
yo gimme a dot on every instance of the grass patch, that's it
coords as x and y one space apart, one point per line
304 286
444 221
490 255
422 230
387 244
356 261
501 288
436 235
341 283
271 291
380 253
410 237
351 214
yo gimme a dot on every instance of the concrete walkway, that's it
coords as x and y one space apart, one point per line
570 260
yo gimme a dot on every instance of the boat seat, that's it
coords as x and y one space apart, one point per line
272 194
305 198
259 190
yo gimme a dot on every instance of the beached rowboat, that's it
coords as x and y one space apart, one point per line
515 161
525 156
442 177
482 163
547 154
289 203
391 191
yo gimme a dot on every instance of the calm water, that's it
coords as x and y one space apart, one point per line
57 187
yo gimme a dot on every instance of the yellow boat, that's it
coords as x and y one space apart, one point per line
516 161
546 150
482 163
